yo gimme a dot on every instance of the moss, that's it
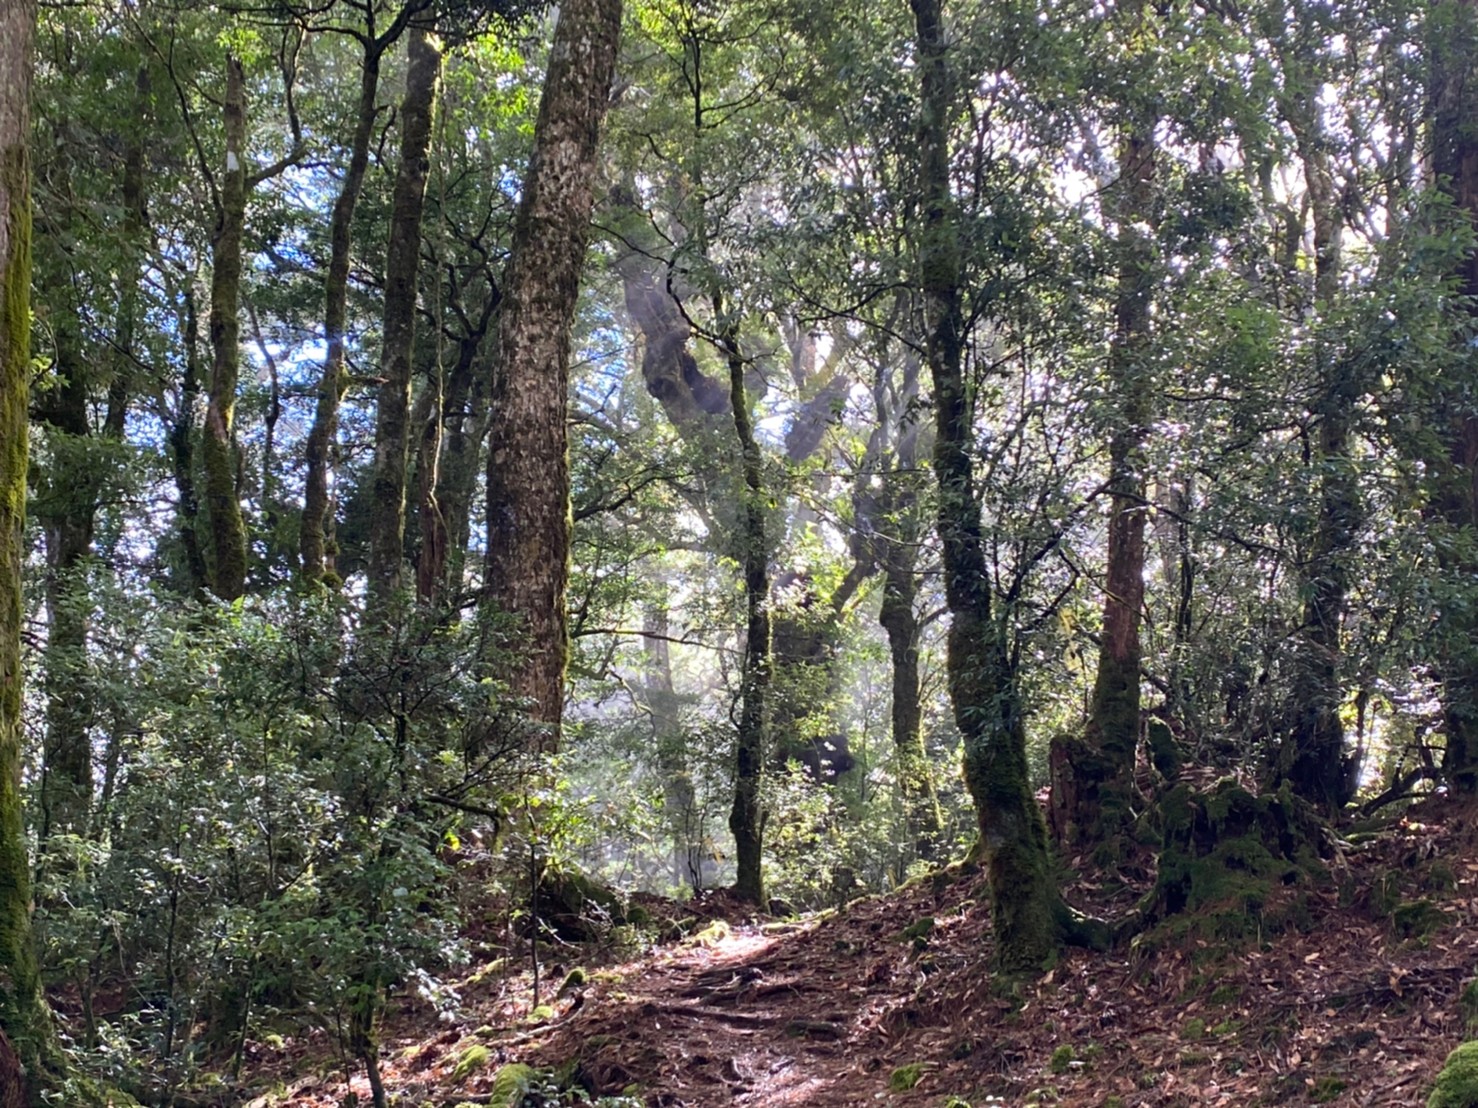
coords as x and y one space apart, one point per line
906 1077
1457 1084
1113 1102
715 933
577 978
1225 994
1194 1029
1164 753
1062 1058
1417 919
1226 1027
542 1014
510 1085
1227 858
474 1058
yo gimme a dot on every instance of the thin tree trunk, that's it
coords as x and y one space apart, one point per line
747 817
1093 786
402 266
315 539
182 454
1026 907
528 515
66 509
24 1019
226 526
900 621
1312 757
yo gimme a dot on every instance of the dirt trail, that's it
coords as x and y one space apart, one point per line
1357 1007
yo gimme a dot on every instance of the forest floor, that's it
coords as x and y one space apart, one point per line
1358 1004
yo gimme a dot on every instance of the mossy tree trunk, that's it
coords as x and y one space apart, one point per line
182 437
402 265
528 516
983 681
747 815
669 739
315 535
24 1019
1093 785
1453 106
316 550
226 526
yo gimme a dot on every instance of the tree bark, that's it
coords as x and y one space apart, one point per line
182 454
747 816
528 516
1026 907
315 539
402 266
1102 774
226 528
24 1019
1453 105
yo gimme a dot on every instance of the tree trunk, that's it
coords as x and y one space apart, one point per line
315 539
182 454
66 506
1312 756
747 817
402 265
900 621
528 515
1101 775
1453 107
983 683
24 1019
226 529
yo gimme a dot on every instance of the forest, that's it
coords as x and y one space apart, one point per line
738 552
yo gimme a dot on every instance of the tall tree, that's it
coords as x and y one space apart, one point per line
315 537
402 264
24 1019
528 517
1092 785
1452 37
226 527
1026 907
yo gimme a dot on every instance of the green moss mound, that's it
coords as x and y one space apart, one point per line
1457 1084
1228 858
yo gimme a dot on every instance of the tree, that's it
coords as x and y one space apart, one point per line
528 467
402 263
1453 41
24 1019
1026 907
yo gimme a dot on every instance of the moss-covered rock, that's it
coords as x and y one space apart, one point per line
511 1084
474 1058
1457 1084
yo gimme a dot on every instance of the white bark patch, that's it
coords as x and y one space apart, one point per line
232 162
